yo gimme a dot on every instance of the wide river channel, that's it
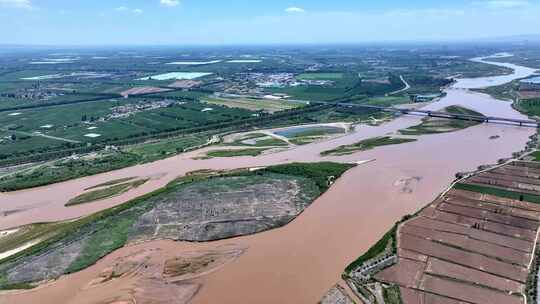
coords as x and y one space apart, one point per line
297 263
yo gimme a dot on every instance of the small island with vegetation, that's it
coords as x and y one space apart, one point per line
434 125
115 189
366 144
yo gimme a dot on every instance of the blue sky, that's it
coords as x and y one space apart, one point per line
188 22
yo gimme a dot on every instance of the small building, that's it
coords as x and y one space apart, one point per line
424 97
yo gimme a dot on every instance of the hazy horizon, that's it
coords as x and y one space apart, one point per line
518 39
240 22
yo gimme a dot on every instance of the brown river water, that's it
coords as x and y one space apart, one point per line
299 262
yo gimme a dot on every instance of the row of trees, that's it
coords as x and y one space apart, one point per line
68 149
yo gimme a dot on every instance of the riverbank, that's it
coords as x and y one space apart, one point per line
348 219
427 258
388 262
203 206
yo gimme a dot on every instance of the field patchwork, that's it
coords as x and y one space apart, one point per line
475 244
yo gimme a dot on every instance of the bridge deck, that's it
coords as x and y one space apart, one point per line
439 114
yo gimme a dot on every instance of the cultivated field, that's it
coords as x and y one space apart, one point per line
142 91
475 244
266 105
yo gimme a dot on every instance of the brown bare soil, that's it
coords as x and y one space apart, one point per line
467 292
472 260
469 247
518 171
529 94
483 205
143 90
498 228
509 177
159 272
481 235
185 84
461 273
406 254
435 299
195 264
486 216
410 296
405 273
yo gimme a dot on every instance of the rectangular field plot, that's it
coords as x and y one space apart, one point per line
472 245
465 274
467 292
43 129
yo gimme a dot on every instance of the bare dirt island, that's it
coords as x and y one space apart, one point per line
202 206
347 219
148 274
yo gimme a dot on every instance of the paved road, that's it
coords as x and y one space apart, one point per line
407 86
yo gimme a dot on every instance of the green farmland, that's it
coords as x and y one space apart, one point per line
320 76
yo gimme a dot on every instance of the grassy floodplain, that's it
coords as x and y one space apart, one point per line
506 91
258 140
531 107
235 153
303 135
70 168
100 194
536 156
67 169
436 125
269 142
74 107
387 244
112 182
92 237
367 144
44 173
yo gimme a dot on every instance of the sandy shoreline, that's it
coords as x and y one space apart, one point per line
341 224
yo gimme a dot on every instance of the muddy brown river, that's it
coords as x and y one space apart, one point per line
297 263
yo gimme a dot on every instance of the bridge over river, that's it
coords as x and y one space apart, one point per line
439 114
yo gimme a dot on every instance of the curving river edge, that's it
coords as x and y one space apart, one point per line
301 261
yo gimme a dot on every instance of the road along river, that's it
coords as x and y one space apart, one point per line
299 262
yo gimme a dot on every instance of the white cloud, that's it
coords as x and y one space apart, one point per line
24 4
169 3
498 4
136 11
294 9
430 24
